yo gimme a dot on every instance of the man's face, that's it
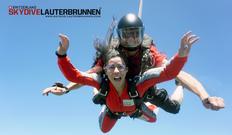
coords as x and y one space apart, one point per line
130 37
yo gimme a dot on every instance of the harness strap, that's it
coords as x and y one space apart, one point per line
133 93
132 88
118 115
114 115
137 113
104 86
100 97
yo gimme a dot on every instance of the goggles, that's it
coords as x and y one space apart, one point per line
112 67
131 37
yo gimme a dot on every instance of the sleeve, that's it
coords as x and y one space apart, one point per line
97 67
157 57
74 75
156 75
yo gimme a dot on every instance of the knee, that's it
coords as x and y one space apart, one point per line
175 111
174 107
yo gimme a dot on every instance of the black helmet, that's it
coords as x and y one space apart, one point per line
130 31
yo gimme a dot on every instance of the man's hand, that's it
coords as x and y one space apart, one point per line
186 43
64 44
214 103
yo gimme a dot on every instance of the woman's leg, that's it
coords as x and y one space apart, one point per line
149 112
106 123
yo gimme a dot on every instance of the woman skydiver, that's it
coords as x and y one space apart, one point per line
118 100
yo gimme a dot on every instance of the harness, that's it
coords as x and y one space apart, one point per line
100 98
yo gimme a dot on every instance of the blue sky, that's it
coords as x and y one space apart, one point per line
28 65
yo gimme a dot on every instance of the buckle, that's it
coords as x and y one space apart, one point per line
149 97
103 94
120 114
134 96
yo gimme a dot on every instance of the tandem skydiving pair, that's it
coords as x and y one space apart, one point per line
126 71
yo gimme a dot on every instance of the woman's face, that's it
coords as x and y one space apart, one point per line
116 70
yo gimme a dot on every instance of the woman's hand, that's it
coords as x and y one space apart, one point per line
64 44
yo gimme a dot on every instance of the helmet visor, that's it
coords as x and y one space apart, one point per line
131 37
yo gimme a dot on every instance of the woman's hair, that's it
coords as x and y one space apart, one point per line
106 52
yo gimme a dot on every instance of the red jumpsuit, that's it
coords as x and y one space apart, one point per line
121 103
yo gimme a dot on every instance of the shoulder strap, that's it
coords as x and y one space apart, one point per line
133 93
146 60
100 98
147 41
104 88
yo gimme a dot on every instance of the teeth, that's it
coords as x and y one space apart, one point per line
117 78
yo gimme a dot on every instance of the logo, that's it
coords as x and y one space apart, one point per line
128 102
53 12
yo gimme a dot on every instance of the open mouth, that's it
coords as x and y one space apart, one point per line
118 78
